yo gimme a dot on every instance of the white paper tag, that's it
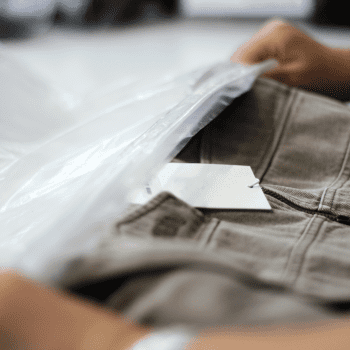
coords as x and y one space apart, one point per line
207 186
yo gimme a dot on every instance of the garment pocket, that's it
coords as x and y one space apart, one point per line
304 201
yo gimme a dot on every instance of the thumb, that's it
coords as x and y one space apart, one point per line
252 52
257 50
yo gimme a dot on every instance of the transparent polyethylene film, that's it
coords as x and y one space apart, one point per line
62 205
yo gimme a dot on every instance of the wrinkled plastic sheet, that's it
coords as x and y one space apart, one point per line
62 189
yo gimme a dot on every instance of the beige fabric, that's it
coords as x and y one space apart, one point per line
200 267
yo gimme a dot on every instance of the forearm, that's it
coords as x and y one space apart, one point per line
35 316
318 336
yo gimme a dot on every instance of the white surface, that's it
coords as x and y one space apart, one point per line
248 8
97 62
102 72
208 186
74 77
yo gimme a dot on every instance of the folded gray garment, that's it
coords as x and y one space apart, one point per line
167 263
160 267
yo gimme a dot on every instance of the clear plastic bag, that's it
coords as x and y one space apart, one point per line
61 197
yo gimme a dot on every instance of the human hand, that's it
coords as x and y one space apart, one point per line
302 62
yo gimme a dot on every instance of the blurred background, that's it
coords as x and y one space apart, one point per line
104 50
24 18
89 50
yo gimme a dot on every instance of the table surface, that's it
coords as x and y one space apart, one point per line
82 62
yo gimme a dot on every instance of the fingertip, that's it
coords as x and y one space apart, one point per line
242 57
235 60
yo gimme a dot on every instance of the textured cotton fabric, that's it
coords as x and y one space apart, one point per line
167 263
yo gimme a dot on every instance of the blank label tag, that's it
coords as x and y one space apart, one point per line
207 186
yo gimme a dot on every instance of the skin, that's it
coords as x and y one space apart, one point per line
302 62
35 316
318 336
